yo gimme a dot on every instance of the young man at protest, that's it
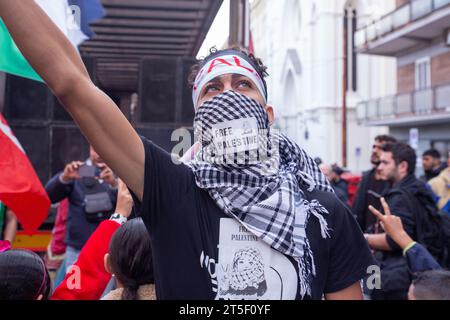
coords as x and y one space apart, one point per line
250 216
397 166
370 185
432 164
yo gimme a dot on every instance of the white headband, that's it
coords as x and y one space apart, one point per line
225 65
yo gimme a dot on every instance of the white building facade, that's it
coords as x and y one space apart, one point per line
301 42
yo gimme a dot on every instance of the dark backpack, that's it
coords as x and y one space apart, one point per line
432 227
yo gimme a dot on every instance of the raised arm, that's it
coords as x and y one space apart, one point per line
53 57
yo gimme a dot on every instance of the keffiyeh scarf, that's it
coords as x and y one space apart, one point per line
255 175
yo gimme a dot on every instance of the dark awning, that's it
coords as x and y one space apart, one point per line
135 29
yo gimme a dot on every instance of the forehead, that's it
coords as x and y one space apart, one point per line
386 155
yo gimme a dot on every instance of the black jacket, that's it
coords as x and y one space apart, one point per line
340 187
402 207
433 173
361 203
395 274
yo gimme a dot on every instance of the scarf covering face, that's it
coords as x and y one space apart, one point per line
259 183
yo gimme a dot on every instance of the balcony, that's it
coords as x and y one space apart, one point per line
426 106
414 24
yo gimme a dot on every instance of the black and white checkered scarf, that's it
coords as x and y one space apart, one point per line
260 188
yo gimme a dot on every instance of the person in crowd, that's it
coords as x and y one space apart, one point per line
130 261
441 187
397 166
417 256
118 247
340 186
23 275
430 281
8 223
430 285
232 195
432 165
56 249
91 188
370 187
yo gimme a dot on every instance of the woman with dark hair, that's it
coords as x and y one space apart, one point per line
117 248
23 276
130 261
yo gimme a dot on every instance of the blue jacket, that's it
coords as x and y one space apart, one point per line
78 228
419 259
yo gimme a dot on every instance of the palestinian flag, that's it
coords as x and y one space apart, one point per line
72 17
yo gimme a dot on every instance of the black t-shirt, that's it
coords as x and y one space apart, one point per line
201 253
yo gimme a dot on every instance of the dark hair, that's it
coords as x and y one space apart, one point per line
23 276
131 257
432 285
402 152
337 170
432 153
384 138
214 52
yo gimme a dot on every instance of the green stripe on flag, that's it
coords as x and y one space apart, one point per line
11 59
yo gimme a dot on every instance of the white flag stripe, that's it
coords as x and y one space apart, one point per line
8 132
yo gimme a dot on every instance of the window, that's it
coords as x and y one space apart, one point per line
350 25
423 74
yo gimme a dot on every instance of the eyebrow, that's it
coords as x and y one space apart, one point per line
234 76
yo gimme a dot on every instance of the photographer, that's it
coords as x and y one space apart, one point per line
91 188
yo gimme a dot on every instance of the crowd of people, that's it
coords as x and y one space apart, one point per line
242 217
420 207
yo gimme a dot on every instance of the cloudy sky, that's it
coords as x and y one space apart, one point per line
219 31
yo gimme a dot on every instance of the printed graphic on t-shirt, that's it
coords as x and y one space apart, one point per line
248 268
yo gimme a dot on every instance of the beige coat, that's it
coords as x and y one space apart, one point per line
441 187
145 292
